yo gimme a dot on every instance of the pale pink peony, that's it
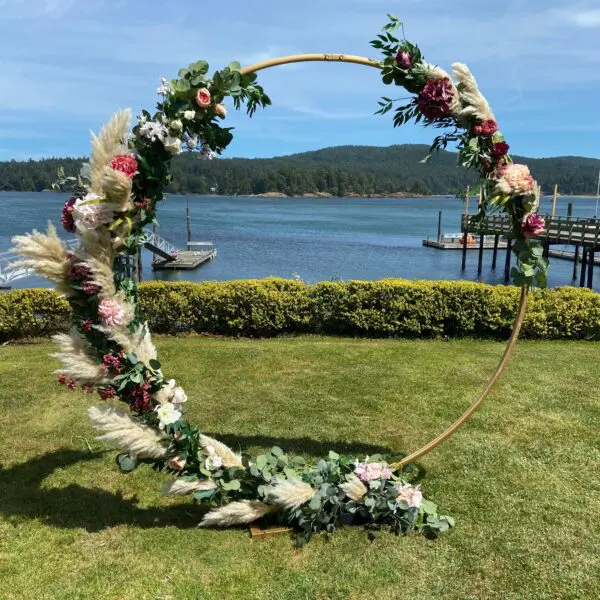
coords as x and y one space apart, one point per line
203 98
409 494
111 312
373 471
91 212
515 179
220 111
532 226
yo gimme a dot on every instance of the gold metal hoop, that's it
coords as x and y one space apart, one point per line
508 350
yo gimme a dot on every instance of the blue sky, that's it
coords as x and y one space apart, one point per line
67 65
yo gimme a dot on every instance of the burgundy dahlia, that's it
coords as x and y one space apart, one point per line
142 399
404 59
67 215
500 149
91 289
62 379
435 99
113 362
106 393
71 384
86 326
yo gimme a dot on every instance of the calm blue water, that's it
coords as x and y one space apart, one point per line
317 239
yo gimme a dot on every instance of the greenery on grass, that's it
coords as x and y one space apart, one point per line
522 477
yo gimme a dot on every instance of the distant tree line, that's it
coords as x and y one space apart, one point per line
341 171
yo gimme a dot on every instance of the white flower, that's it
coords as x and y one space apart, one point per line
172 144
154 131
179 396
213 461
189 115
142 119
165 87
207 153
192 142
176 125
90 214
167 414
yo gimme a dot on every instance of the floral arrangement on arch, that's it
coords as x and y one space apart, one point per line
439 102
109 350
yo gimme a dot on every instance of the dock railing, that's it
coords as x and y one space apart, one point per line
559 230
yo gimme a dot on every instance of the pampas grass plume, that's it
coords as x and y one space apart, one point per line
125 433
291 494
236 513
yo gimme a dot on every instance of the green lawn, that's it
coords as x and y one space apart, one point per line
522 478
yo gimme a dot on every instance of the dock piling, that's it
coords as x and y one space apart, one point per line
590 276
584 256
507 261
439 235
495 253
575 261
480 256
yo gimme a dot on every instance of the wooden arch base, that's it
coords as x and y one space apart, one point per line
360 60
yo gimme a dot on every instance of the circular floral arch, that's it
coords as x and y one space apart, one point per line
110 351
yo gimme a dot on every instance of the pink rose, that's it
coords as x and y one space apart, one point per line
532 226
125 163
177 463
203 98
111 312
477 129
220 111
489 127
409 494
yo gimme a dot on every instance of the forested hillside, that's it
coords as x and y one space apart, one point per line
339 171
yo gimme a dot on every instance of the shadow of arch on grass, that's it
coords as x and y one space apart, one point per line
94 509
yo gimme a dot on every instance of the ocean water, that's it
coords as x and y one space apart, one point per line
315 239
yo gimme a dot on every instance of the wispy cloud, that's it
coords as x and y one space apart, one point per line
585 18
68 64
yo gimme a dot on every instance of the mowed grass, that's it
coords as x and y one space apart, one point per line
522 478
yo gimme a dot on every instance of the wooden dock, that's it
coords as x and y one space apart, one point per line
568 255
185 260
488 244
583 234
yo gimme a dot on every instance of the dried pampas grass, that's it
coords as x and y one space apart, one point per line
116 188
46 255
236 513
125 433
181 487
474 103
77 360
105 146
354 488
139 343
291 494
102 275
226 454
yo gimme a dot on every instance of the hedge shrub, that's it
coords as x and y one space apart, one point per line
386 308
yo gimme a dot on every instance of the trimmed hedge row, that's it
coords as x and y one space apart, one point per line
386 308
